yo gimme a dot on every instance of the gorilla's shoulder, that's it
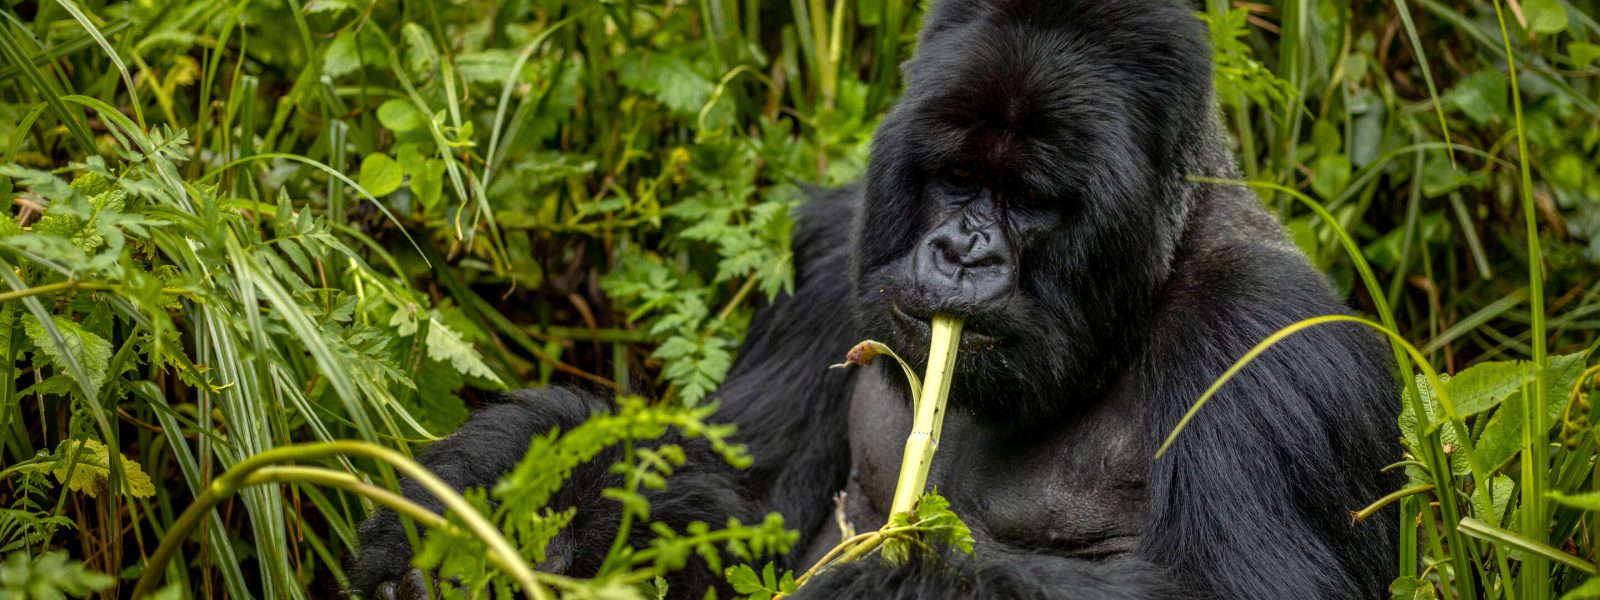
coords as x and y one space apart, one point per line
822 226
1238 278
1234 249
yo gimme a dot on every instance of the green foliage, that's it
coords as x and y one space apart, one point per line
521 507
751 586
933 524
48 576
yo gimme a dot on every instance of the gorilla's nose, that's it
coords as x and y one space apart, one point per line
964 267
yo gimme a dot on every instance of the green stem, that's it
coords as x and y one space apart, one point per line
929 418
240 476
72 284
1361 515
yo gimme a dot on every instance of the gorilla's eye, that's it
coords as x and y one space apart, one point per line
1031 199
960 174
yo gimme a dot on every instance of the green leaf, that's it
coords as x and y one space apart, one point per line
400 115
1325 137
343 56
668 78
90 469
1545 16
1485 385
49 575
1411 588
445 345
1588 591
427 183
1330 173
934 522
487 66
1482 96
1501 438
745 581
1582 53
92 352
1589 501
380 175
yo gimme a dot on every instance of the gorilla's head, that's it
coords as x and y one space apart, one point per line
1032 182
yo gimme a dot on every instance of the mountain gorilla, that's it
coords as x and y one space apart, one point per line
1037 180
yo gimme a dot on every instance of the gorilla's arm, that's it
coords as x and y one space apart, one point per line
788 406
1251 500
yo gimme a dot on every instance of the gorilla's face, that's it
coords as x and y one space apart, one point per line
1025 185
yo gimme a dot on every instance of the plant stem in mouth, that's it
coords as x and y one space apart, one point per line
929 414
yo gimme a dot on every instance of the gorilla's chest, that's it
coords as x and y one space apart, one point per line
1071 488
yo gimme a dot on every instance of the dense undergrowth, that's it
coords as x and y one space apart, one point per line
234 227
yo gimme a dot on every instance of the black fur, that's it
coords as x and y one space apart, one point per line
1078 124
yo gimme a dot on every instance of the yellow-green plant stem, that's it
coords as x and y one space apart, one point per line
502 553
850 549
1361 515
73 284
929 417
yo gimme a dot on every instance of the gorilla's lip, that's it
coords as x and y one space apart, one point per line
922 328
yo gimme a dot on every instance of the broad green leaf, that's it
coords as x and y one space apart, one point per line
1330 174
1545 16
1325 137
400 115
92 352
427 183
1582 53
1483 96
1501 438
1590 590
380 175
93 469
1500 495
342 57
1411 588
1485 385
670 79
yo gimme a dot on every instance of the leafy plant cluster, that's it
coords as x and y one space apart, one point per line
234 228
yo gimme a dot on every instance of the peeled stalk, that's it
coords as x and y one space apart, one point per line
929 417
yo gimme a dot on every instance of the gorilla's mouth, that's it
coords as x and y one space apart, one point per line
919 330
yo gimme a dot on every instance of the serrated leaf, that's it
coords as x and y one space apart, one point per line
445 345
668 78
1485 385
93 469
92 352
